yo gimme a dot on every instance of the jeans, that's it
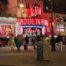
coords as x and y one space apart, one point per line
60 46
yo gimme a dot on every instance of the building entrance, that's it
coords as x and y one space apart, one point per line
33 30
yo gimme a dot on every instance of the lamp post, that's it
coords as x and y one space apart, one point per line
51 4
52 29
21 6
52 32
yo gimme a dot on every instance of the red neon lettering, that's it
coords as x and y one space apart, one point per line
33 21
21 21
30 21
42 21
38 21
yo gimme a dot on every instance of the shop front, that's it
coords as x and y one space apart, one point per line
7 26
26 26
6 29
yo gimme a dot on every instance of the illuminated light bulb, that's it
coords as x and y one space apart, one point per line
21 5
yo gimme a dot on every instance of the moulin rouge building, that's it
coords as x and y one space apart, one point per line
30 18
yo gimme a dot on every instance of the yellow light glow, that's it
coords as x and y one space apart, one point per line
21 5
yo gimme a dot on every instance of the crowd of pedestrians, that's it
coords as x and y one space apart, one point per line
43 44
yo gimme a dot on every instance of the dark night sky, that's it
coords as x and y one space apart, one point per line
60 6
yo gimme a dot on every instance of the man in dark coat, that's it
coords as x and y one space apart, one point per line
52 42
59 41
26 43
39 48
17 41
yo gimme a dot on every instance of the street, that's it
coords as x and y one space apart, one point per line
28 58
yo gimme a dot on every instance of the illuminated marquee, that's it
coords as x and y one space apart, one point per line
33 21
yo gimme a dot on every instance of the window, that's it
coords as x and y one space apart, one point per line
65 28
39 0
64 18
61 30
60 27
27 5
47 6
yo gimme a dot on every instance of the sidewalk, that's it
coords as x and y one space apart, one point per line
28 58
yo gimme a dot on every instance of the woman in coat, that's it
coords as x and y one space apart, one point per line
12 42
46 48
17 41
39 48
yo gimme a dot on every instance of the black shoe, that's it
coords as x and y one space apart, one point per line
53 50
47 60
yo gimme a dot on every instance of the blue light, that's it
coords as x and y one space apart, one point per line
33 26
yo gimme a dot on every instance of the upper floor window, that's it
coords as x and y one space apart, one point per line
64 19
39 0
61 28
65 28
27 5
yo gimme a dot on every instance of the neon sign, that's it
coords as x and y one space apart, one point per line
33 21
36 11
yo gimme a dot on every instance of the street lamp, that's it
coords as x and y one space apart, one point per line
21 5
21 9
52 29
51 4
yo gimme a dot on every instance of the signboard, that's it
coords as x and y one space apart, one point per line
32 21
35 11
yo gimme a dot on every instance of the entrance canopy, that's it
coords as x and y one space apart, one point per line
33 26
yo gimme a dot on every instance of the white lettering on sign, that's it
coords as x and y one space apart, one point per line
38 21
33 21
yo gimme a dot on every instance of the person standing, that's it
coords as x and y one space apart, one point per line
39 48
46 48
65 41
59 41
0 41
26 43
33 42
17 41
52 42
21 40
12 42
